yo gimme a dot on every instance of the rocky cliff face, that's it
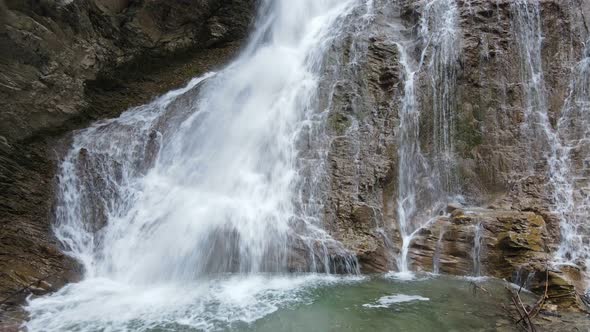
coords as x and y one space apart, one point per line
66 63
491 167
54 47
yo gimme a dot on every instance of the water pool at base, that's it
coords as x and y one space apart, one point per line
379 304
280 303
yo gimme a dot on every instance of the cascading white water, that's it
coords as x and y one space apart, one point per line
564 147
476 252
536 127
423 187
440 30
571 169
412 164
161 203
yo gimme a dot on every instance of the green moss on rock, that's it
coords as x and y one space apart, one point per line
338 123
470 136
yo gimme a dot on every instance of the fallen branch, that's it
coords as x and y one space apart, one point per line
539 305
476 287
527 313
524 317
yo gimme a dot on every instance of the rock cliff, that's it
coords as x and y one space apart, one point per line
490 163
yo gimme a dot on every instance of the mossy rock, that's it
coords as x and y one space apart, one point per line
519 241
338 123
466 133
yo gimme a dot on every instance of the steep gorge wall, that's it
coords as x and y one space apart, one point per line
64 64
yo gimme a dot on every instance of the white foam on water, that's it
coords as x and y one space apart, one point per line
388 301
409 276
404 276
473 278
105 305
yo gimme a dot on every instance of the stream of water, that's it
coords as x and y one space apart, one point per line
425 181
571 168
565 145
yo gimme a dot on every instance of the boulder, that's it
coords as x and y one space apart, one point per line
506 244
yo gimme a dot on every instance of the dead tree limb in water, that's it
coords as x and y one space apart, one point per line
527 313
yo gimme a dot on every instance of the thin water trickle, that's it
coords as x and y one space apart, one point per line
476 252
564 148
570 169
441 33
424 184
412 163
536 127
438 252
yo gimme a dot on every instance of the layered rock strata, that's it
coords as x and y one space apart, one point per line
519 233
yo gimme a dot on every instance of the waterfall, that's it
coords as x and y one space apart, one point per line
570 169
423 186
412 164
439 29
175 208
564 147
476 252
536 128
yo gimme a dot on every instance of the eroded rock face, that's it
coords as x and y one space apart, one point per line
505 244
362 127
50 49
517 232
66 63
492 149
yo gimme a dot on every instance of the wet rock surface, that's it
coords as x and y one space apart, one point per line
54 51
506 244
518 233
362 125
65 64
